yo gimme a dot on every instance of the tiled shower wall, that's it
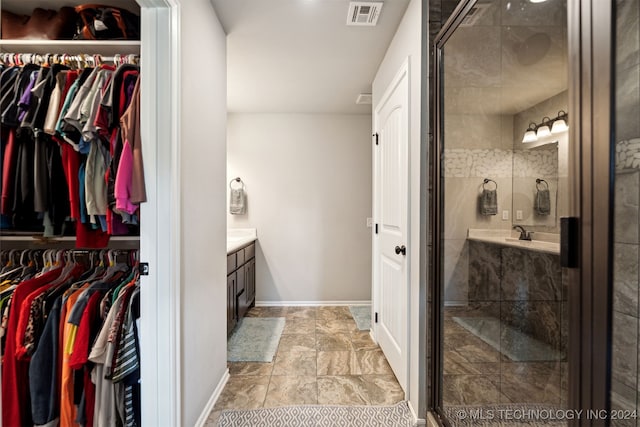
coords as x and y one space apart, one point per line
626 316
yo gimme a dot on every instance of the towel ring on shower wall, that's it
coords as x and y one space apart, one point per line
486 181
541 181
236 180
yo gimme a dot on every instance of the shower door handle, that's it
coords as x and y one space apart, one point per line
569 242
401 250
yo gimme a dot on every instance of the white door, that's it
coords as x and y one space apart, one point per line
391 198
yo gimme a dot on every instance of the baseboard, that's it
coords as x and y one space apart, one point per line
202 419
416 421
308 303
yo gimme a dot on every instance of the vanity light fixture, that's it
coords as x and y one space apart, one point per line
530 134
546 128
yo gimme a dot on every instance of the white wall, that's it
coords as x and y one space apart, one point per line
407 42
203 183
308 184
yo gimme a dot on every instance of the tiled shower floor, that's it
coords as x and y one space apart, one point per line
322 359
476 373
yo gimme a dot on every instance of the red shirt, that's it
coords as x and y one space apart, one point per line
16 410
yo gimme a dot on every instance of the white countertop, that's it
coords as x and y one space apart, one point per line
542 242
239 237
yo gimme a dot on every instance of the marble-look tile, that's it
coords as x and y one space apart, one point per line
373 362
628 103
530 276
475 131
531 382
625 349
267 312
474 309
382 389
625 278
361 340
289 343
212 419
477 59
564 329
333 342
537 319
332 363
484 272
471 390
333 313
626 207
301 312
456 364
473 349
340 326
623 398
564 384
243 393
456 270
286 391
299 326
295 363
250 368
342 390
627 33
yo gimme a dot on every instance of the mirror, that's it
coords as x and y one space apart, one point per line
539 169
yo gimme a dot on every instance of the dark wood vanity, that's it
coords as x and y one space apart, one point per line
241 283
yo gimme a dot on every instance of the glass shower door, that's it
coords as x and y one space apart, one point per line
501 188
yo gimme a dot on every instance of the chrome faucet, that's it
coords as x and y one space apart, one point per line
524 234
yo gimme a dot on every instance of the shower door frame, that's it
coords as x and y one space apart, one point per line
590 27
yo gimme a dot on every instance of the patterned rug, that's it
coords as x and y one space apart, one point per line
255 339
509 415
319 415
362 315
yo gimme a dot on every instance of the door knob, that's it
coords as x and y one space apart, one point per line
401 250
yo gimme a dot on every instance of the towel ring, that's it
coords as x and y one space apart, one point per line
236 180
486 181
541 181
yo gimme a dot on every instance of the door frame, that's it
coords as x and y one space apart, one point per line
160 339
590 29
404 69
591 173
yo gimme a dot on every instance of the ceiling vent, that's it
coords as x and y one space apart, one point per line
364 99
363 13
476 12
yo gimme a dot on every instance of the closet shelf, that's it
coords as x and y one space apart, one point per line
66 242
71 47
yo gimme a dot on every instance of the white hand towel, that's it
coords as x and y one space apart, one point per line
237 202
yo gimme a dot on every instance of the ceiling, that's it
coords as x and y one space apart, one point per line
299 56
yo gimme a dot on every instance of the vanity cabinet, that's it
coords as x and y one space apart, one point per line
241 284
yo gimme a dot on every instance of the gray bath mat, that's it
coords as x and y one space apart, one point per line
319 415
510 415
255 339
362 315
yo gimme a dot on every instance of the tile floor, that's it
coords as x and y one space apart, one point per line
322 359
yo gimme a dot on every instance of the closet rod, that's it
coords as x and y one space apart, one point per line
39 58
